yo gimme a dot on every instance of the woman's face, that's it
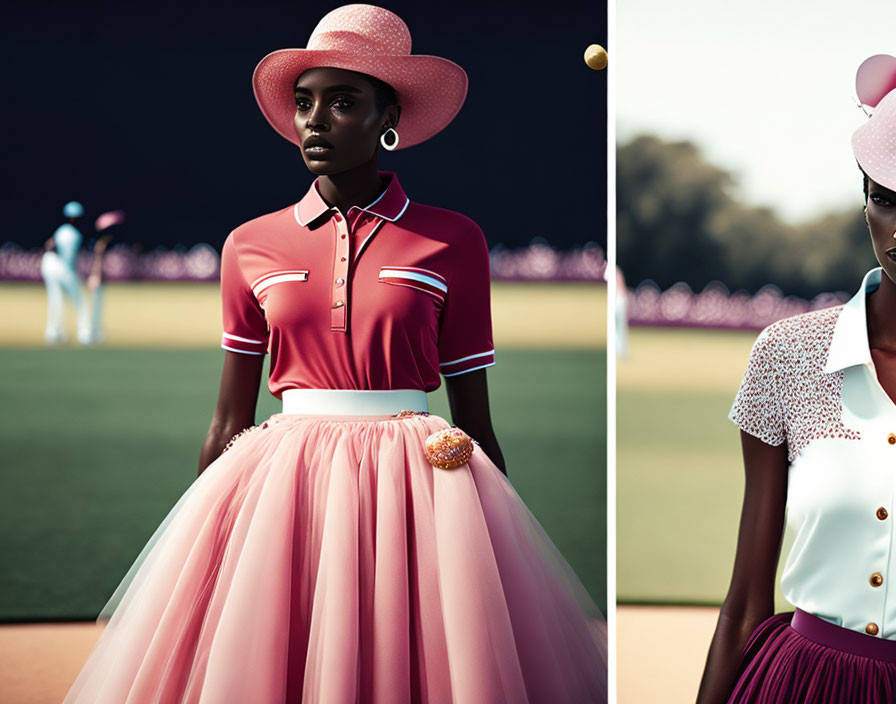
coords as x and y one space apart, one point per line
338 106
881 216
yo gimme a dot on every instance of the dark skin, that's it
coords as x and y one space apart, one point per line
880 213
750 598
347 118
96 269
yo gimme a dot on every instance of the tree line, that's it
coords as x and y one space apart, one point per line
677 220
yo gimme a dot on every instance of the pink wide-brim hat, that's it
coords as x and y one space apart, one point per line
371 40
874 143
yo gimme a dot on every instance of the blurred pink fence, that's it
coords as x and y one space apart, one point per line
716 307
121 263
537 262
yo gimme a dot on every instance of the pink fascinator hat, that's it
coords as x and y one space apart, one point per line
874 143
371 40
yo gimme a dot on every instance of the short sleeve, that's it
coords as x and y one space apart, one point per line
245 328
757 407
465 326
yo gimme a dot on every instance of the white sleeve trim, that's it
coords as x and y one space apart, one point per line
481 366
464 359
234 349
244 339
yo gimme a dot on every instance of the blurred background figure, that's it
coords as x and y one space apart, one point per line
95 279
58 269
621 315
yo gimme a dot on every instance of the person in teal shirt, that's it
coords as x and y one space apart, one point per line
58 267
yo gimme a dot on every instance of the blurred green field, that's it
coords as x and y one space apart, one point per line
679 477
99 444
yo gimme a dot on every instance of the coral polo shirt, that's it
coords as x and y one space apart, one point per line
384 297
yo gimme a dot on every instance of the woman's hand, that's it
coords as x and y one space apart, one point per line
751 594
468 401
237 399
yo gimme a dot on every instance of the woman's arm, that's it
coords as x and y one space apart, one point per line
750 598
468 400
237 399
95 278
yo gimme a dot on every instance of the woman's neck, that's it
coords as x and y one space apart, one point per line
881 315
359 186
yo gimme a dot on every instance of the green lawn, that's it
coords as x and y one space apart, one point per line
98 444
679 477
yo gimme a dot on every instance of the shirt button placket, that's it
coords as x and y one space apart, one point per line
338 290
877 579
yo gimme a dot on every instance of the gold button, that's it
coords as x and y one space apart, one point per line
877 579
891 438
882 513
871 629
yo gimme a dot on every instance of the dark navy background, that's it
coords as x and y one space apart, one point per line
149 108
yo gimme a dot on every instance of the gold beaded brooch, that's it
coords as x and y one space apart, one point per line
448 448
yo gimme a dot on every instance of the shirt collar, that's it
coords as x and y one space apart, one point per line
849 345
390 205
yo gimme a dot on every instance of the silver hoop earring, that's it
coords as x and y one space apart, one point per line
394 144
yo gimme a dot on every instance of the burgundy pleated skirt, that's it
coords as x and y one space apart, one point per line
796 657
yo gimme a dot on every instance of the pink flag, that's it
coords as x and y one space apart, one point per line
113 217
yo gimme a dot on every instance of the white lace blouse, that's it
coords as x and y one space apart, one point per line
811 383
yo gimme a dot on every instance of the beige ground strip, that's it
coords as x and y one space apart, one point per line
565 315
685 359
661 651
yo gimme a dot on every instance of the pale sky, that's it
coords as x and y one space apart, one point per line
766 88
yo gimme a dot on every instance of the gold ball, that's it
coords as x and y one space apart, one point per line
596 57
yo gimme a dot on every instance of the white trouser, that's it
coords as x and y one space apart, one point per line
353 402
60 279
96 314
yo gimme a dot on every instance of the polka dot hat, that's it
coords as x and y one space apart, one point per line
874 143
371 40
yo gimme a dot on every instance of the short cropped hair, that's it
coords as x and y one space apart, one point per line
384 95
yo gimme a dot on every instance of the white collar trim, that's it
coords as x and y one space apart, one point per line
849 345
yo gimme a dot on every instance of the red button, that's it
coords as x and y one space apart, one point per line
337 217
342 259
343 237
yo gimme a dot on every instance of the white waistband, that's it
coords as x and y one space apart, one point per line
353 402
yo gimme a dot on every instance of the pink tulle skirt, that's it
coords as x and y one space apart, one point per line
322 559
